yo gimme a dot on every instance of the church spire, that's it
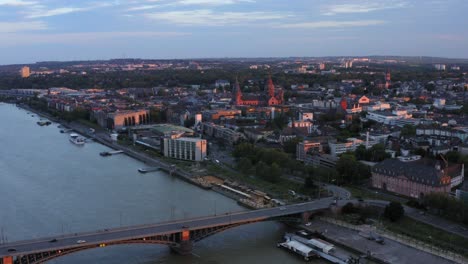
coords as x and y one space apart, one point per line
270 87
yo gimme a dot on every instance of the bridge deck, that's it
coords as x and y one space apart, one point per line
133 232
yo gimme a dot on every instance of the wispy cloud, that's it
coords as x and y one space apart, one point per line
208 17
17 3
43 11
148 4
362 7
332 24
10 27
212 2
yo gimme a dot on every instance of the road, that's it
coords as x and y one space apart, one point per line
134 232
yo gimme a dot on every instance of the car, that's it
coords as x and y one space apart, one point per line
80 241
308 224
185 227
217 161
53 240
11 250
282 208
380 240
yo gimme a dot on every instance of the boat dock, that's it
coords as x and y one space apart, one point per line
149 169
110 153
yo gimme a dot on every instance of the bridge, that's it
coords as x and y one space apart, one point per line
180 235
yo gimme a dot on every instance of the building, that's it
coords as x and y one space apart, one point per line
440 67
271 97
25 72
414 178
184 148
304 147
222 83
337 148
222 133
121 119
389 118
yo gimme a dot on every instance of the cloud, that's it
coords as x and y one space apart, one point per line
210 18
10 27
332 24
14 39
55 12
179 3
362 7
212 2
17 3
42 11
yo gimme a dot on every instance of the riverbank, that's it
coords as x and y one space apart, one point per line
101 136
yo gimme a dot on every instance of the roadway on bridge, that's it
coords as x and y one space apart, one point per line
134 232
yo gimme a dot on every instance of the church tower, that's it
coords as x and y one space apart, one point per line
237 93
270 87
388 79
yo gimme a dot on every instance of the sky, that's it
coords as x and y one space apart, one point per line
46 30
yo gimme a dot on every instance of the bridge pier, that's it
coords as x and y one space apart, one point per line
185 245
184 248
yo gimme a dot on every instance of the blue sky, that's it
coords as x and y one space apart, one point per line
38 30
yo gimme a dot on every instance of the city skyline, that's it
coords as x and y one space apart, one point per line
53 30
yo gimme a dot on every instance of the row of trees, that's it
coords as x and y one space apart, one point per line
269 164
350 170
447 206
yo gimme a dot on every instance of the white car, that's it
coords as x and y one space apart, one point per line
308 224
80 241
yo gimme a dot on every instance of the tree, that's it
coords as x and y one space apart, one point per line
408 131
290 145
309 183
348 208
275 173
244 165
394 211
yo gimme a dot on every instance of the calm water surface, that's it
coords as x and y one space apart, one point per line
49 186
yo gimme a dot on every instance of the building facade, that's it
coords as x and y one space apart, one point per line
191 149
411 178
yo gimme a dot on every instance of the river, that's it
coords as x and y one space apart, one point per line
49 186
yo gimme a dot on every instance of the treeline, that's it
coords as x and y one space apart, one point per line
268 164
447 207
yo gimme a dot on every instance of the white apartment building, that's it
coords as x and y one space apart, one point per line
388 118
337 148
184 148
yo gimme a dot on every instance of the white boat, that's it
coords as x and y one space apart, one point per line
76 139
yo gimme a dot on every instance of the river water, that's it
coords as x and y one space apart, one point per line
49 186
